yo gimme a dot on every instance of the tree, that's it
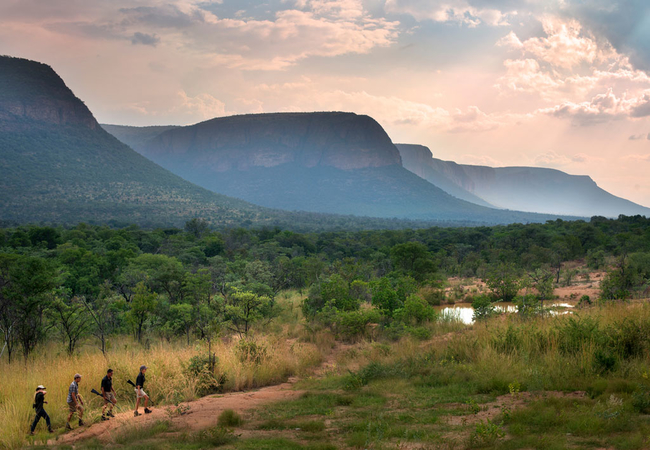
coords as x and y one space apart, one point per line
542 281
384 296
502 280
413 258
161 273
24 283
142 306
104 313
197 227
244 309
71 318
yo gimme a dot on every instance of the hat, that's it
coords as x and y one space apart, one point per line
76 375
143 367
41 387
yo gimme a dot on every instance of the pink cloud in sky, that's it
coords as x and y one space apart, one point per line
512 83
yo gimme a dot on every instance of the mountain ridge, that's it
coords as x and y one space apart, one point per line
523 188
306 161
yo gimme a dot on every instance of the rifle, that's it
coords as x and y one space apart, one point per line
93 391
133 384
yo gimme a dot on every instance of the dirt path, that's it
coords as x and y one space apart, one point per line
202 413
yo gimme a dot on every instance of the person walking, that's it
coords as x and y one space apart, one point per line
75 402
108 392
140 393
39 401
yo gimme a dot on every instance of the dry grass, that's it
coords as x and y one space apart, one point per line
168 381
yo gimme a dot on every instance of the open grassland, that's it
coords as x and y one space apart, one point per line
579 380
177 372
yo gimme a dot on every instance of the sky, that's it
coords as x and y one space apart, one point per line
563 84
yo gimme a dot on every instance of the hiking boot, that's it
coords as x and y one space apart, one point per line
67 426
136 414
110 414
104 418
147 411
31 433
81 423
50 430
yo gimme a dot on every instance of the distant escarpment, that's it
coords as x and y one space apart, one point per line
447 175
329 139
533 189
328 162
32 91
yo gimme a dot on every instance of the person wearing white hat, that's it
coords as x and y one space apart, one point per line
39 401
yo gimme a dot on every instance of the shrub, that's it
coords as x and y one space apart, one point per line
251 351
206 373
486 433
420 333
528 305
433 296
574 332
354 324
415 311
229 419
483 308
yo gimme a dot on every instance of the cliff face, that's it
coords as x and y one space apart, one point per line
532 189
31 91
447 175
340 140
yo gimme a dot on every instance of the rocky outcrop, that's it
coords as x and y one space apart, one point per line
33 92
329 139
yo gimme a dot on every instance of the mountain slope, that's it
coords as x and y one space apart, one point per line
323 162
447 175
531 189
58 165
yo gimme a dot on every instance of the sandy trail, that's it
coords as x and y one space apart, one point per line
202 413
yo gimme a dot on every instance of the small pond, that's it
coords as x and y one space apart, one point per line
464 312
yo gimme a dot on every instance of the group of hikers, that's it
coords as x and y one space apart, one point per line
76 403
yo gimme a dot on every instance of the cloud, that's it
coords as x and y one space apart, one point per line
554 159
637 158
602 108
641 108
564 46
145 39
459 11
637 137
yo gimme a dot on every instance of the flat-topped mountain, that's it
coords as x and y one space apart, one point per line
326 139
329 162
58 165
532 189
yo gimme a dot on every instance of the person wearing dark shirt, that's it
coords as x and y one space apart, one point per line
39 401
109 395
140 393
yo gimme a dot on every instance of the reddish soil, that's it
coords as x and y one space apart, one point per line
200 414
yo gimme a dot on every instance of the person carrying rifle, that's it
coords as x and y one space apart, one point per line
140 393
39 400
75 402
108 392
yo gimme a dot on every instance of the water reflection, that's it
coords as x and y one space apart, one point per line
465 313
